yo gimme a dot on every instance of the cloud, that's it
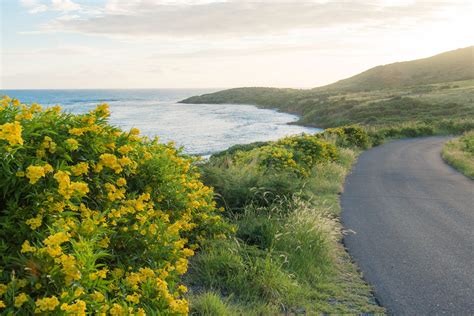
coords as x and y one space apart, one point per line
37 6
241 18
64 5
34 6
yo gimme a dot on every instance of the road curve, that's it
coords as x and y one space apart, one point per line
410 222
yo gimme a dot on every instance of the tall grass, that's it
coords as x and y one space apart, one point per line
460 154
285 256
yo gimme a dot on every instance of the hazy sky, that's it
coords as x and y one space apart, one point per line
206 43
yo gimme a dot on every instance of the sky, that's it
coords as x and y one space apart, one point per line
92 44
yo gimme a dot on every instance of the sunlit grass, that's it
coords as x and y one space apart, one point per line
459 153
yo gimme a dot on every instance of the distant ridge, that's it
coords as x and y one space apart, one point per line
440 87
449 66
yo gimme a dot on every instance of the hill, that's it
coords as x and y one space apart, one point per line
438 87
449 66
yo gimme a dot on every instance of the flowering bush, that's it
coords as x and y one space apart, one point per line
93 219
349 136
296 154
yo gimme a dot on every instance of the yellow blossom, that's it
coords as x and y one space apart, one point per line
11 132
26 247
76 131
34 173
97 296
35 222
125 149
76 309
179 306
3 289
2 304
135 298
72 144
116 310
20 299
80 169
121 182
47 304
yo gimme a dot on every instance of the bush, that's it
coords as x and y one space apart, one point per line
94 219
266 173
349 136
209 304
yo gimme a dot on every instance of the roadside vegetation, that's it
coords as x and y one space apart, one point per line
94 220
286 256
459 153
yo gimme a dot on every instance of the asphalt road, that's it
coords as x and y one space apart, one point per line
412 218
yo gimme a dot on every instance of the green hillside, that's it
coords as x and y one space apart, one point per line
449 66
439 87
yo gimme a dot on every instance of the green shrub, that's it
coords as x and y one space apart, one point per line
249 273
459 153
93 219
209 304
468 142
349 136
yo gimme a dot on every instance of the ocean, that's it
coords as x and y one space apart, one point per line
201 129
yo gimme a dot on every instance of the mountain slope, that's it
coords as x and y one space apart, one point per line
449 66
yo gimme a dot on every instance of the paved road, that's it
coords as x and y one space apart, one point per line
413 222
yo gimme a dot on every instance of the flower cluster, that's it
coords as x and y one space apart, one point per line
295 154
106 228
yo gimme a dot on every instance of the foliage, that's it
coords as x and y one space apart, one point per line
285 256
260 174
209 304
459 153
94 219
349 136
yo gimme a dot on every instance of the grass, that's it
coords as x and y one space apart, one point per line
459 153
286 256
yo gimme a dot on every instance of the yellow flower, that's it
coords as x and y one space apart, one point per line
135 298
125 149
121 182
102 110
72 144
99 274
69 268
34 173
80 169
182 289
57 239
134 131
11 132
182 266
110 161
76 131
26 247
20 299
97 296
116 310
179 306
2 304
35 222
3 289
76 309
47 304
